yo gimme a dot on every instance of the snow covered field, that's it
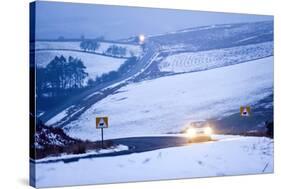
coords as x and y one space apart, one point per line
134 50
169 104
72 45
196 61
59 116
195 160
96 65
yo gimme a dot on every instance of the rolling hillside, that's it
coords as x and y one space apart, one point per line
216 36
204 60
169 103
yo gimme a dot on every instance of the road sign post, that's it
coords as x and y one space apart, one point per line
102 138
101 123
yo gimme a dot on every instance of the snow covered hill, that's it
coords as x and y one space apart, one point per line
203 60
169 104
195 74
217 36
96 65
191 161
132 49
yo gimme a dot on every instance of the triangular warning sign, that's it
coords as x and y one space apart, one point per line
245 111
102 122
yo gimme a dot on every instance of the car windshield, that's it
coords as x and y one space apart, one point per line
199 124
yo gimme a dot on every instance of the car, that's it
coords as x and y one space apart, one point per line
200 131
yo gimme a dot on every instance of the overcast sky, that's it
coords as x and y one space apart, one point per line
72 20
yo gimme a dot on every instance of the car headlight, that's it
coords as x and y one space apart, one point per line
208 130
191 132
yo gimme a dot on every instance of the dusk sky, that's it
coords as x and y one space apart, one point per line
71 20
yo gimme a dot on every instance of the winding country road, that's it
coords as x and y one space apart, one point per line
135 144
80 103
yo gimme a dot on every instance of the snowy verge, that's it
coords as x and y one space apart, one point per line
117 148
242 155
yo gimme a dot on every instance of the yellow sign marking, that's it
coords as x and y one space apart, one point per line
101 122
245 111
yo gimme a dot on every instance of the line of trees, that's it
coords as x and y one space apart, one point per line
112 75
63 76
90 44
116 50
60 76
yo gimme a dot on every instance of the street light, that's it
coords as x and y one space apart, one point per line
141 39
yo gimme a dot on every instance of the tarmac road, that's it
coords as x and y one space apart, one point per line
135 144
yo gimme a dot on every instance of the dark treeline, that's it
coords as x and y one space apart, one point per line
116 51
112 75
65 77
60 77
90 44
